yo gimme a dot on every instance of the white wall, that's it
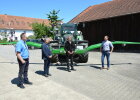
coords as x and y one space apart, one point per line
17 33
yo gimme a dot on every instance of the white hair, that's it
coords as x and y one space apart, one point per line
46 39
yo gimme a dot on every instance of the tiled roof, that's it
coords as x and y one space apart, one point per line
18 22
108 9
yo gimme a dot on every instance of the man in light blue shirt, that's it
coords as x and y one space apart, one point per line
106 49
23 49
22 54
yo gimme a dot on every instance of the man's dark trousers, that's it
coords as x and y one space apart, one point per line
23 71
46 66
69 56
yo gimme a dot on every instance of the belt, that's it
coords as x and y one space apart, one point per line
107 51
26 59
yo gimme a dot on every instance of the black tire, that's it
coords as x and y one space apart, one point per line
82 58
54 59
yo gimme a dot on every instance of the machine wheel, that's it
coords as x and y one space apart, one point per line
83 58
54 59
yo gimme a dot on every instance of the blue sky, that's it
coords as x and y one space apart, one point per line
39 8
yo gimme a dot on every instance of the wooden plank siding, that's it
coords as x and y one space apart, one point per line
122 28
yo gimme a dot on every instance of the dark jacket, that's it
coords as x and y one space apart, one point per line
69 46
46 52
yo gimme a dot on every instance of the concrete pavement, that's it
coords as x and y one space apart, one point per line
121 82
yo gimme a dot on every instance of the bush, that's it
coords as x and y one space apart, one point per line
3 40
40 29
31 37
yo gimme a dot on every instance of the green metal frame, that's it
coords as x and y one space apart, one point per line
62 51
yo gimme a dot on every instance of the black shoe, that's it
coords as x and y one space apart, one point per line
45 75
73 69
69 70
28 82
49 74
21 86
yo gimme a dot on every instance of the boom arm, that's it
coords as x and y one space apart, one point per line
62 51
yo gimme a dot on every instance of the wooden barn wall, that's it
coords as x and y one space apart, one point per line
124 28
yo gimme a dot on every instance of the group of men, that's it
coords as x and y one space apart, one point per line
22 54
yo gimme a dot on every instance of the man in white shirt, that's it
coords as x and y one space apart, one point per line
106 49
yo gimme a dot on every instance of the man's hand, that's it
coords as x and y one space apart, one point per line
23 62
111 50
50 56
72 52
69 52
20 58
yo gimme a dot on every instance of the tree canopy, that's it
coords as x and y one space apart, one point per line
40 29
53 18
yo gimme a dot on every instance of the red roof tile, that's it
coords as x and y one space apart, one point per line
18 22
108 9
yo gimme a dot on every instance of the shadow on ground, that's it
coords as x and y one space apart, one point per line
98 66
38 63
62 68
15 81
17 63
9 62
40 72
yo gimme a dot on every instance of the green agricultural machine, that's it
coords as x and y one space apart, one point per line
61 35
57 45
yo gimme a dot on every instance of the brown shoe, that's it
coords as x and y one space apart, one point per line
102 68
107 68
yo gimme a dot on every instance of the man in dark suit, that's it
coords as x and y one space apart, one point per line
69 48
46 56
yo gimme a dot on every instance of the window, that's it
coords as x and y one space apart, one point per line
12 23
2 21
23 23
28 23
17 22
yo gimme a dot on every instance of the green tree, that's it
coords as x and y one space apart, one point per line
53 18
31 37
40 29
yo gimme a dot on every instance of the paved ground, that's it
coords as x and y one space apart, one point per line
121 82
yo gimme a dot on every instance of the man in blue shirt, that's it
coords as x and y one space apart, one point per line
22 54
106 49
46 56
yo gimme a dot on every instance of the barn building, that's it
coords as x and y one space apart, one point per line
119 19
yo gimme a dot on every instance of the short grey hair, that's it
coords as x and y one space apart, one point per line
69 37
46 39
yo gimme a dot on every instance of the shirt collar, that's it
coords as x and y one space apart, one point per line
23 41
106 40
46 43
